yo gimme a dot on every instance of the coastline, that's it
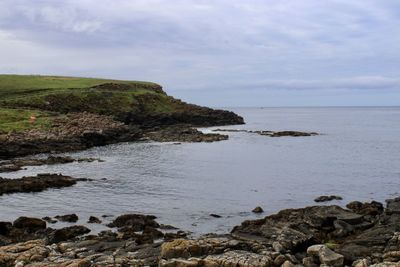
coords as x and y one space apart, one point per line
362 234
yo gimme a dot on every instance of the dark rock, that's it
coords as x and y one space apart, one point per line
292 133
29 224
215 215
258 210
72 218
5 228
167 227
182 134
67 233
373 208
327 198
153 232
135 221
93 219
37 183
49 219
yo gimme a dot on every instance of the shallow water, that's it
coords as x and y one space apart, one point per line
357 156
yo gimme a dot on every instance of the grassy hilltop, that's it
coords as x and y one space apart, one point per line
131 102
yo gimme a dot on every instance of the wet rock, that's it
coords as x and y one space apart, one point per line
167 227
93 219
258 210
327 198
269 133
29 224
182 134
49 220
72 218
37 183
67 233
292 133
135 221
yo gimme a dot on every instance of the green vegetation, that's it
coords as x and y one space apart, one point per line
15 120
17 85
22 96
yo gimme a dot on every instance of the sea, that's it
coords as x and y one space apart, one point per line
356 156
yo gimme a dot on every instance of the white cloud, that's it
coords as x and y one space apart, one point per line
188 44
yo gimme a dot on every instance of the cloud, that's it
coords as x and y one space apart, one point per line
189 44
355 83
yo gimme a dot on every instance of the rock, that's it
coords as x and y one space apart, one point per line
278 261
296 228
72 218
93 219
29 224
237 258
5 228
49 220
309 262
215 215
288 264
68 233
182 134
258 210
361 263
327 198
278 247
326 255
167 227
37 183
136 221
373 208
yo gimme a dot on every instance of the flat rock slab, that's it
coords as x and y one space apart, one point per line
37 183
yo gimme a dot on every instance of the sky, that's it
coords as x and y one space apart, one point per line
215 52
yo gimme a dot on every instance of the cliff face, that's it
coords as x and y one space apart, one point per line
41 113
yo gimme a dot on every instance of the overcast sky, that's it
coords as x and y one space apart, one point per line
215 52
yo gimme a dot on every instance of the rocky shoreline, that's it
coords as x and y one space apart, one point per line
80 131
362 234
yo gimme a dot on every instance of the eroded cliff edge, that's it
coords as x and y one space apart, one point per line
50 114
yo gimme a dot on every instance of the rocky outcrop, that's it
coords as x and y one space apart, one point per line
181 134
71 246
78 131
327 198
75 131
37 183
312 236
271 133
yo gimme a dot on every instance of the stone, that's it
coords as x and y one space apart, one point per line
68 233
258 210
93 219
327 198
72 218
326 255
29 224
279 260
287 264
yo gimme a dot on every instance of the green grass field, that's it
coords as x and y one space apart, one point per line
21 96
16 120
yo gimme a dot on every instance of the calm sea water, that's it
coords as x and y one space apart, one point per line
357 156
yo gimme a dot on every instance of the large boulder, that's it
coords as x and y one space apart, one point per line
67 233
325 255
29 224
